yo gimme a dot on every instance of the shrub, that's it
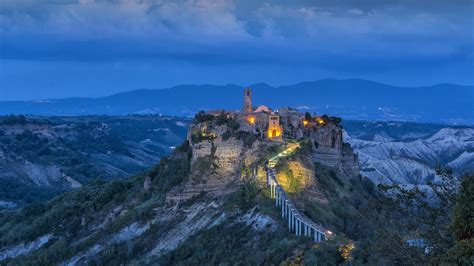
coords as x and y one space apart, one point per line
335 177
226 135
171 171
184 147
245 197
201 117
197 137
232 124
14 120
222 119
247 137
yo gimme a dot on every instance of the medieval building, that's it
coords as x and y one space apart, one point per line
226 134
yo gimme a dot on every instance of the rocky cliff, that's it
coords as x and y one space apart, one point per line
330 149
221 159
226 152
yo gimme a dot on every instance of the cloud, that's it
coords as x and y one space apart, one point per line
59 48
220 31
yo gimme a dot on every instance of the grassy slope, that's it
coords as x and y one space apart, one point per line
76 214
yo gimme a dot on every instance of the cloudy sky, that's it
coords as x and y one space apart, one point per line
63 48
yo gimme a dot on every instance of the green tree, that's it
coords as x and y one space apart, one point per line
462 226
325 118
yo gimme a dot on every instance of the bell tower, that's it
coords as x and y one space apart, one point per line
248 100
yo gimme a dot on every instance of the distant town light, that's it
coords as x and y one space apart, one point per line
320 121
305 122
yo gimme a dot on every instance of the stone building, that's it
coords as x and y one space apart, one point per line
261 120
248 100
323 132
274 128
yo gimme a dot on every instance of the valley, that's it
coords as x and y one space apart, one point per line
41 157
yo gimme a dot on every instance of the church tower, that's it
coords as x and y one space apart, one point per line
248 100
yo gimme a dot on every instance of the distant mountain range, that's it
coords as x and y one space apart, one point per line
348 98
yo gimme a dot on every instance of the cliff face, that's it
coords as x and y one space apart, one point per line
220 152
329 149
221 158
226 151
225 158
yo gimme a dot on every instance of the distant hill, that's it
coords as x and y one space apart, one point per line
41 157
349 98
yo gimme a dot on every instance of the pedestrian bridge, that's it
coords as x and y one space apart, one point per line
298 223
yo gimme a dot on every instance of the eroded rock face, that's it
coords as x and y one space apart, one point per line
217 158
147 184
329 149
326 136
222 158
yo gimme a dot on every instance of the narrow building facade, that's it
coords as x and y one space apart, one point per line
248 100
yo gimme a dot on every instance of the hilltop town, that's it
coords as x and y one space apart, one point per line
228 146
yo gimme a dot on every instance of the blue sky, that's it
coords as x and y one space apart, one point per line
92 48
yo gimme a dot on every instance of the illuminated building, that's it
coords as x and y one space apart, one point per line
274 128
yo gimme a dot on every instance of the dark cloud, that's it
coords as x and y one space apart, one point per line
318 26
356 38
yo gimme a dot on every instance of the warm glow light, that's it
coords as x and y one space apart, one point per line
274 132
305 122
251 120
346 251
320 120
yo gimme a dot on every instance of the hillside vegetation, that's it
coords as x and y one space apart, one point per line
129 222
41 157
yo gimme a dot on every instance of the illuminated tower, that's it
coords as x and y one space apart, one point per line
274 128
248 100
